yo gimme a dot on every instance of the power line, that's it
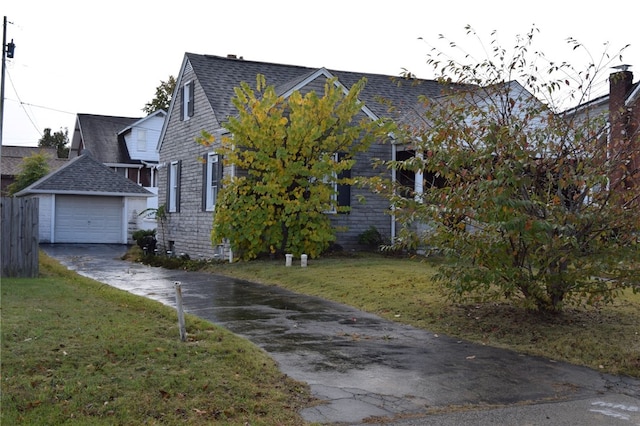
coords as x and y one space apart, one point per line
22 105
44 107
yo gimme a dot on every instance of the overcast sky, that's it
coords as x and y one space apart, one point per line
108 57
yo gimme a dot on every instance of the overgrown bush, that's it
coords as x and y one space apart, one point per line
146 239
372 238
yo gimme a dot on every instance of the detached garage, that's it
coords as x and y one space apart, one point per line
87 202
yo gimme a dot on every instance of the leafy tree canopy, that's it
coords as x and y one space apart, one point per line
289 155
58 140
32 168
518 194
162 99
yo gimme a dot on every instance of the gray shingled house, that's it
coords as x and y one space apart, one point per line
86 202
190 174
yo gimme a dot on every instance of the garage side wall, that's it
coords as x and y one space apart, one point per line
134 206
45 217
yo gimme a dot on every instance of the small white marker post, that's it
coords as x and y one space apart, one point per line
183 330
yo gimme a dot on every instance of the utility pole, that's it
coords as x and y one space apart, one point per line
7 52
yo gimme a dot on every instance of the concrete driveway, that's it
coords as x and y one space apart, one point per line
368 369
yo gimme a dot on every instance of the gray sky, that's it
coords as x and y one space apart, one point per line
83 57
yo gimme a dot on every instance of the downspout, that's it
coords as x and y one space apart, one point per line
233 174
52 220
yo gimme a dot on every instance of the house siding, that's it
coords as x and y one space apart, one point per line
189 229
375 208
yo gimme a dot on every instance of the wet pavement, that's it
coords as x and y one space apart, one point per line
371 370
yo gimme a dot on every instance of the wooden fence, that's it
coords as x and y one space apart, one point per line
19 237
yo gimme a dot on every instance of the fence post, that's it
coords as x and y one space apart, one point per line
19 237
183 330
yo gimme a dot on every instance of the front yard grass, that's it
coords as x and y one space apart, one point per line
605 338
75 351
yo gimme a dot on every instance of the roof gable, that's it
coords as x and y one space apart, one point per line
298 84
85 176
141 123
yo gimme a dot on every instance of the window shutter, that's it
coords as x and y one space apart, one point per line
182 101
344 191
178 188
205 184
168 187
190 105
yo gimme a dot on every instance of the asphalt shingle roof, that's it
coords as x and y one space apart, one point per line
85 175
100 136
12 157
219 76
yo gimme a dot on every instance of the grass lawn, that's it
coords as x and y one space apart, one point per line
75 351
606 338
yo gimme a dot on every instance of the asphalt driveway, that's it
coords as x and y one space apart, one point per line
369 368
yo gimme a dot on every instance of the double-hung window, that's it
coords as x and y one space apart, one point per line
141 137
212 180
173 187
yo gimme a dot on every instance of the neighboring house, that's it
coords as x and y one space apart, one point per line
621 106
86 202
190 174
126 145
12 157
624 125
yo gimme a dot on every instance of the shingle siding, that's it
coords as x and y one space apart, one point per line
375 208
190 228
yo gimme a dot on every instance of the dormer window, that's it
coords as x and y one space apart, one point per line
188 100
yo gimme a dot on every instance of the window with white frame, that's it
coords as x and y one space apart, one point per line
212 180
173 187
142 140
188 100
341 196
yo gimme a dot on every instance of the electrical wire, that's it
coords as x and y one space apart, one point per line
47 108
22 105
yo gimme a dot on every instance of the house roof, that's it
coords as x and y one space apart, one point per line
98 134
602 102
12 157
84 175
218 77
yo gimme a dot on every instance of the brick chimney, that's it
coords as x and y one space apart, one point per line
620 84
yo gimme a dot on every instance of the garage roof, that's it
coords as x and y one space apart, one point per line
85 176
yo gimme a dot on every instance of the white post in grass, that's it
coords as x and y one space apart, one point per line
183 330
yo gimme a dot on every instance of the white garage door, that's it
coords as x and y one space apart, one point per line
80 219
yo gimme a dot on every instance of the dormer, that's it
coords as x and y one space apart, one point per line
141 138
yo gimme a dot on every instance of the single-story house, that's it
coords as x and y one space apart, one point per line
203 101
189 173
87 202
